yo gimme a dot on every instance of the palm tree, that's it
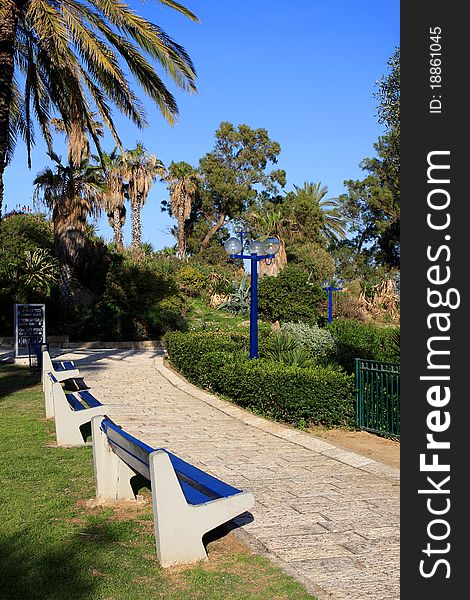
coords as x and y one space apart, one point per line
68 56
332 226
140 169
70 192
78 144
112 198
183 183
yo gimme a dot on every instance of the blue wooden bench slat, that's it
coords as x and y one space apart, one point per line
88 401
86 396
220 488
67 365
139 452
74 402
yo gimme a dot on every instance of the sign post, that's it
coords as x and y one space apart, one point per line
30 327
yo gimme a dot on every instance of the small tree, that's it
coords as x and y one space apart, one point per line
331 224
237 164
271 223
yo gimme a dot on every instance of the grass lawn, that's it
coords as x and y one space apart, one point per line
56 544
202 317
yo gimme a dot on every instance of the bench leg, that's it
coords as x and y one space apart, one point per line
112 475
48 398
179 526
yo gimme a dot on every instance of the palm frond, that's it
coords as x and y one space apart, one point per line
180 8
74 55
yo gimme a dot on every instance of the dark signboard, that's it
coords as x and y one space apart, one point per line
30 327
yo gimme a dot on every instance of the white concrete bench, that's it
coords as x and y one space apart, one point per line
187 502
71 412
60 369
75 384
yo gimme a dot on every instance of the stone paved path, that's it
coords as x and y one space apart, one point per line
327 516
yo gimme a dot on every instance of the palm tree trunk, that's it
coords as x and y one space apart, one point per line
65 281
181 237
117 228
136 225
7 43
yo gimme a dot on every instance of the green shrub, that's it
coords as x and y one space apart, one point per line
300 396
289 296
22 232
138 302
191 281
314 259
364 340
187 351
317 340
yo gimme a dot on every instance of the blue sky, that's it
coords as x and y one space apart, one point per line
304 70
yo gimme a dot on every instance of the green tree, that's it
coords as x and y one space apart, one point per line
312 258
183 183
372 205
388 94
69 57
238 163
140 169
291 296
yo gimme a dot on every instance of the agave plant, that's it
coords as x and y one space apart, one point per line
239 300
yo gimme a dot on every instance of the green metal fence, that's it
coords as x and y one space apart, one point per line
378 397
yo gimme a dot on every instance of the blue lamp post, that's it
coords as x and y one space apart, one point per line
330 289
257 251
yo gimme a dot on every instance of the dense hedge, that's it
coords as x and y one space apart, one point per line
300 396
361 340
290 297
